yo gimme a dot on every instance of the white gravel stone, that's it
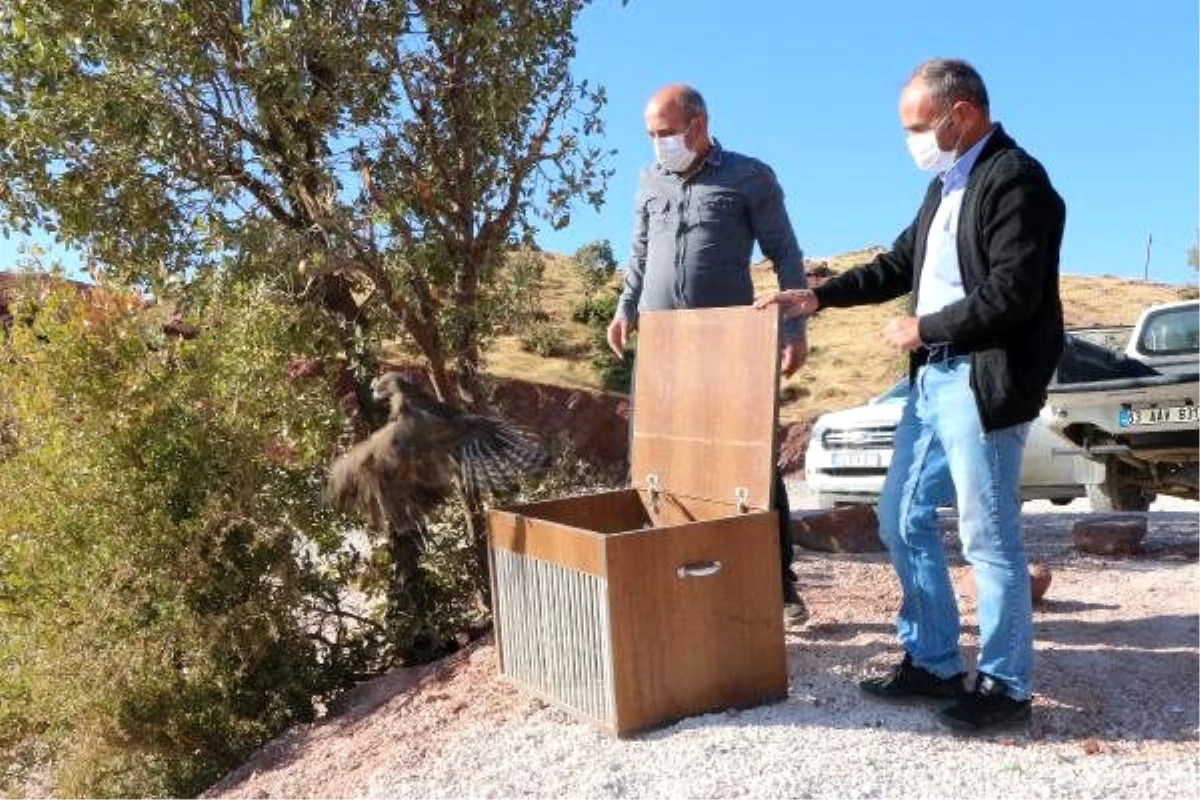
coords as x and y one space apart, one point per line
1116 705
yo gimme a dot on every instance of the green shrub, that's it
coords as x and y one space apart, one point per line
543 338
169 581
616 374
595 265
595 310
172 591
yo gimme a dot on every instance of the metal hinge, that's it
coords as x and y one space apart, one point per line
654 486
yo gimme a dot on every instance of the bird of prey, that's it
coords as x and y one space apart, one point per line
408 466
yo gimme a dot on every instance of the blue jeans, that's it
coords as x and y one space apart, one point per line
940 448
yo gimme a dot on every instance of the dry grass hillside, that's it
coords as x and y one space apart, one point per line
562 287
848 362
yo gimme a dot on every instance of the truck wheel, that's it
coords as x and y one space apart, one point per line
1116 492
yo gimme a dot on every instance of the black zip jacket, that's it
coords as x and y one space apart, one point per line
1011 320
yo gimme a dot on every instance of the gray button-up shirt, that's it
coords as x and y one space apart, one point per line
693 239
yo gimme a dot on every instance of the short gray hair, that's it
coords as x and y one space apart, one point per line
950 80
691 103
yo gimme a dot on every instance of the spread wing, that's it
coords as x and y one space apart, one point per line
408 466
492 454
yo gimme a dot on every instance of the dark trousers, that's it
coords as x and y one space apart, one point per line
786 548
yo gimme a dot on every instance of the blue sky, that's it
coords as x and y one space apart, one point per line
1104 93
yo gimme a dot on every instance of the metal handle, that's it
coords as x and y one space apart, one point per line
699 569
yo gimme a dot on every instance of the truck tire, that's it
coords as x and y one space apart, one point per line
1116 492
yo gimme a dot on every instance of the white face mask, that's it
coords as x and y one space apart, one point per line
925 152
673 153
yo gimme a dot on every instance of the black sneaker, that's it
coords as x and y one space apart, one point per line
907 681
794 610
986 708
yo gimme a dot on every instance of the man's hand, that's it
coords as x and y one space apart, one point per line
793 302
903 333
794 355
618 336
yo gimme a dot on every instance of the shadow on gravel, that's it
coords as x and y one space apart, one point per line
1167 632
1106 673
1050 606
1119 684
1134 678
841 631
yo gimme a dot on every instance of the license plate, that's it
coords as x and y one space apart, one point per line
854 458
1165 415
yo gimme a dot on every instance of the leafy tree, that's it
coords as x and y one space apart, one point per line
373 156
172 592
596 266
371 160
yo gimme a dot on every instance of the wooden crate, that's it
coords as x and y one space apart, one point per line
640 606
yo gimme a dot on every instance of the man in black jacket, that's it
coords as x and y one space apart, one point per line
984 335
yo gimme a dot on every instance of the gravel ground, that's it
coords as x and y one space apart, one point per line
1115 714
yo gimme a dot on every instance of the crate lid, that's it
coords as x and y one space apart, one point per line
705 403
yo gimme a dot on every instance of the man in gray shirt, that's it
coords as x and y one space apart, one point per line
700 209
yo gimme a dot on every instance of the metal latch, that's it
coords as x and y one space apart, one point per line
742 496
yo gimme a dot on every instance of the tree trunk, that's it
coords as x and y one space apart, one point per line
410 601
477 529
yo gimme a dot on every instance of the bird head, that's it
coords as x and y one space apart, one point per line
397 390
391 387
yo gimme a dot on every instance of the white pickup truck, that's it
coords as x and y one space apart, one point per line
849 452
1133 412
